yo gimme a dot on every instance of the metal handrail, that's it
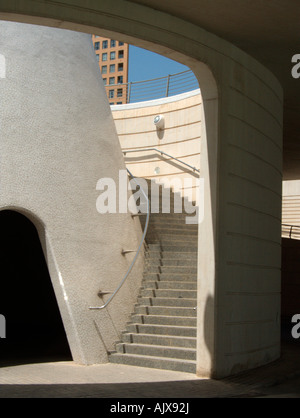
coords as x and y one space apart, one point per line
137 252
169 85
162 153
147 220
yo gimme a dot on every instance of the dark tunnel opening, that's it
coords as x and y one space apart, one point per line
34 328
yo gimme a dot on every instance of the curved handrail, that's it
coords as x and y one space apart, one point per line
137 252
162 153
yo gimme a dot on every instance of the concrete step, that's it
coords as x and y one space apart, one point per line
172 269
170 255
174 230
161 205
186 303
171 262
185 285
173 243
172 218
187 366
184 321
157 222
189 277
162 329
169 293
157 256
175 238
164 220
165 340
190 250
164 199
156 351
169 214
172 247
175 213
166 261
156 191
166 310
158 206
180 266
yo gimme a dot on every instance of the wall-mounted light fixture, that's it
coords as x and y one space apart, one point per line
159 122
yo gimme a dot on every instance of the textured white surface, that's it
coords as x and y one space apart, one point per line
57 139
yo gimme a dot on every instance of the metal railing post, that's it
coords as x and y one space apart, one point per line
129 92
290 231
168 85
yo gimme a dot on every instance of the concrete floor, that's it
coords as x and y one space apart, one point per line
65 379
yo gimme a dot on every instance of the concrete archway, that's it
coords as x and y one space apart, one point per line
35 330
240 162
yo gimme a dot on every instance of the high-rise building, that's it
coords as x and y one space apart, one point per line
113 62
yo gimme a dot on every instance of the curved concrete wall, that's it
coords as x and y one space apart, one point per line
57 140
250 215
241 153
180 137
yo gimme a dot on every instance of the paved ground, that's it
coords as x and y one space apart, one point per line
68 380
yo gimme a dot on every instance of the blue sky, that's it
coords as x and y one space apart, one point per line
145 65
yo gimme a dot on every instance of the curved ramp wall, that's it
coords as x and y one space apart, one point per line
57 140
178 137
250 214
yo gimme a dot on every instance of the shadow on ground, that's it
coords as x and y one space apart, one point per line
278 379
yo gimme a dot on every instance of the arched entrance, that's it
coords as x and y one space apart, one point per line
34 327
238 303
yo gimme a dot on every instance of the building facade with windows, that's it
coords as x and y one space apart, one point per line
113 57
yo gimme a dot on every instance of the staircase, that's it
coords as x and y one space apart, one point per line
162 330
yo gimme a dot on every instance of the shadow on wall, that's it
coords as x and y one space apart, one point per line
34 329
209 328
150 157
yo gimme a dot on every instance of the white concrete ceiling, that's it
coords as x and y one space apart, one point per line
269 30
